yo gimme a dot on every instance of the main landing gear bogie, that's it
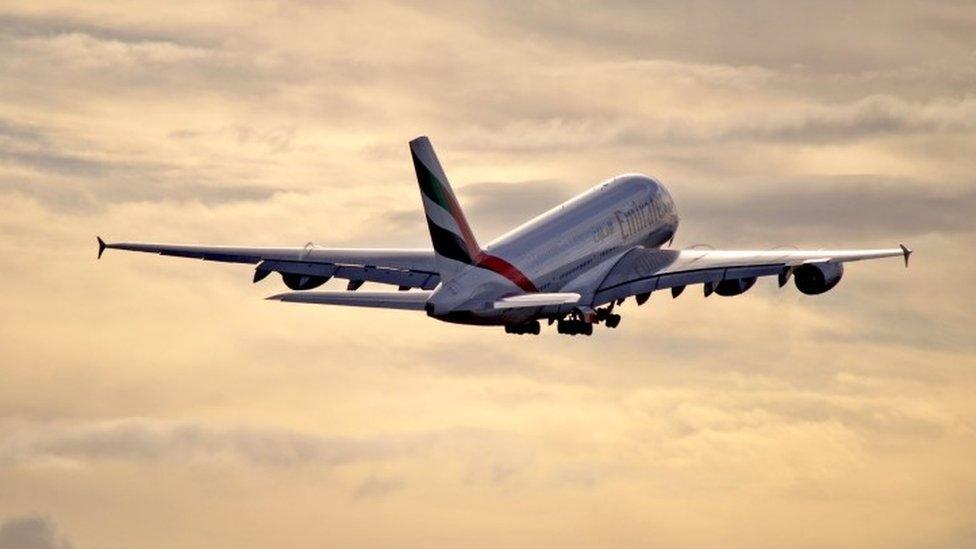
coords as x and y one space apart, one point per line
574 327
608 317
532 328
575 323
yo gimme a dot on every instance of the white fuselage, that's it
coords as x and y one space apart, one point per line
569 248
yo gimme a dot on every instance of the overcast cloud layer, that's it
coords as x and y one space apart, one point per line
155 403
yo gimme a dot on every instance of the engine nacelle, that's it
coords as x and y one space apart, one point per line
734 286
817 278
302 282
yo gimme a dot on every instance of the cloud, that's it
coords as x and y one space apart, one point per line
27 25
148 440
64 196
85 52
881 117
708 422
828 210
31 532
831 36
39 165
75 60
377 487
877 115
143 440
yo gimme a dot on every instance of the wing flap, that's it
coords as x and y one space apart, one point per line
358 273
410 301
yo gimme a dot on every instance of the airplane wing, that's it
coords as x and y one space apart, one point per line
411 301
642 271
309 266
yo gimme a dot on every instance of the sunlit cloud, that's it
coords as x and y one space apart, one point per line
700 422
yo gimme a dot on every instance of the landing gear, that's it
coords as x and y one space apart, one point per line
526 328
608 317
578 322
574 327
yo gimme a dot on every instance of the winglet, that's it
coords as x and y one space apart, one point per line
906 251
101 246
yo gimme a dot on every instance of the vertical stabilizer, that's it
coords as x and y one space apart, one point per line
454 244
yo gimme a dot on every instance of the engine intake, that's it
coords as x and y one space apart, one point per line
303 282
817 278
734 286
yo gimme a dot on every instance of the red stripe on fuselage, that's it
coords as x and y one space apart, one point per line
506 269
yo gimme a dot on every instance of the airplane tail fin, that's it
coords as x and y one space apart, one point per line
454 244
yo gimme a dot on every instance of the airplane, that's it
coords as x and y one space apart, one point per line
570 266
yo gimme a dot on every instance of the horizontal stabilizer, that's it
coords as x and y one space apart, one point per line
537 300
412 301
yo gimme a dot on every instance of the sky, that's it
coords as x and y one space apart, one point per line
151 402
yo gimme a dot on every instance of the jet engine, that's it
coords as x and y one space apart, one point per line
302 282
734 286
817 278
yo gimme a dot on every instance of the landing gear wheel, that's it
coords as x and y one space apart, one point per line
574 327
613 321
532 327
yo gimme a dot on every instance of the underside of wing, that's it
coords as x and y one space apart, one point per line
310 266
411 301
642 270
